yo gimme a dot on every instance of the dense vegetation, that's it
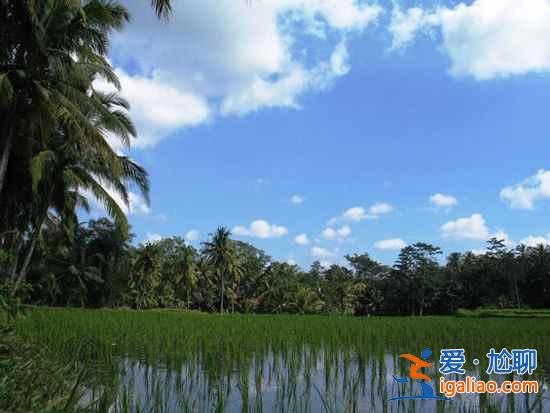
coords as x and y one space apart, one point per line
99 267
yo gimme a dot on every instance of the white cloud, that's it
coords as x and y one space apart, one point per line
380 208
157 108
231 57
291 261
355 214
503 236
485 39
405 25
192 235
301 239
320 252
296 199
339 234
390 244
359 213
442 201
137 205
152 238
469 228
534 241
260 229
525 194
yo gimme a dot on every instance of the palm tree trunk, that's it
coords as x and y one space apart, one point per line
17 249
27 261
221 293
233 299
6 151
34 238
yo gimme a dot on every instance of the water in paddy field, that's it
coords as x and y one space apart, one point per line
297 380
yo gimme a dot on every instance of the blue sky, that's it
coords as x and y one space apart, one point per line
386 123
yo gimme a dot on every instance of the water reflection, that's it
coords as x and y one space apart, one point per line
294 381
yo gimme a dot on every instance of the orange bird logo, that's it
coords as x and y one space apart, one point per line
417 364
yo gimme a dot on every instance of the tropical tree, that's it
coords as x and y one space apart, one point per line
61 172
145 278
220 254
415 271
47 44
188 271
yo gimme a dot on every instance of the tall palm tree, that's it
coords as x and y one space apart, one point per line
221 255
188 274
45 43
68 166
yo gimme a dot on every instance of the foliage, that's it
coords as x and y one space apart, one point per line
97 266
57 126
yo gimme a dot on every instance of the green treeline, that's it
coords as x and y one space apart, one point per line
98 267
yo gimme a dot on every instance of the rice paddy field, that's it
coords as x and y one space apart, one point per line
172 361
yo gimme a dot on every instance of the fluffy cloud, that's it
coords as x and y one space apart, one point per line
192 235
260 229
339 234
157 108
358 213
405 25
231 57
380 208
470 228
301 239
319 252
296 199
355 214
137 205
533 241
390 244
484 39
442 201
525 194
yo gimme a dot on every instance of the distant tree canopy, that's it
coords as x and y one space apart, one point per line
99 267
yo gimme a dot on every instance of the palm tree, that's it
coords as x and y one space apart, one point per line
69 166
188 273
145 277
221 255
48 43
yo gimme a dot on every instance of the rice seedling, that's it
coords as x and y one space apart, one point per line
165 361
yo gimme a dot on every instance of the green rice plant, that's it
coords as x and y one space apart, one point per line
166 361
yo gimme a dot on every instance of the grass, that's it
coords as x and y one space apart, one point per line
204 362
504 313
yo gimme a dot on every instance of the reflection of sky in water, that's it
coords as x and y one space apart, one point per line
311 382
